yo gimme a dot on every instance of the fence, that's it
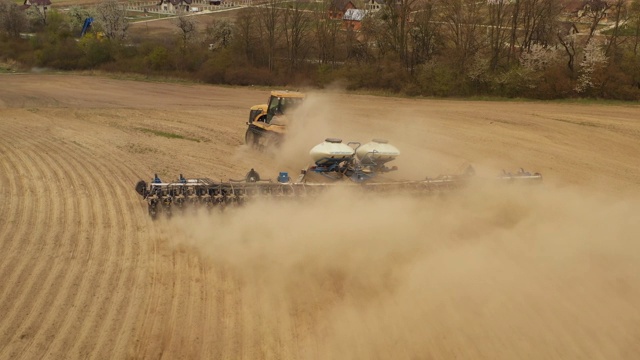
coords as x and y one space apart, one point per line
168 8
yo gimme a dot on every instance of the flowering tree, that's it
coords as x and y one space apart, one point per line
12 19
112 17
594 60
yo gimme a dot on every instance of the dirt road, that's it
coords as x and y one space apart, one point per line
548 272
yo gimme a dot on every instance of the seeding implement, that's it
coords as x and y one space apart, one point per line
350 165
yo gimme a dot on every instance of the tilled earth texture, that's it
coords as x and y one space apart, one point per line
489 272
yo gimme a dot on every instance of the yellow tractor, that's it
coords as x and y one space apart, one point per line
268 122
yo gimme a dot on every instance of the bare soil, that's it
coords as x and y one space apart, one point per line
545 272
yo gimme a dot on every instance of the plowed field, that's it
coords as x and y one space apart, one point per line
515 273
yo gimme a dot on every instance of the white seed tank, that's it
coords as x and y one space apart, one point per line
332 149
377 150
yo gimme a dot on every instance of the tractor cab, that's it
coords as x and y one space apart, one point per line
268 122
279 106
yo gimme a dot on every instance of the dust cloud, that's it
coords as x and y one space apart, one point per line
321 116
314 121
510 272
488 272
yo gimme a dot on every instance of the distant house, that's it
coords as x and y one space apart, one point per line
580 8
41 8
374 5
567 28
353 19
175 5
42 5
338 8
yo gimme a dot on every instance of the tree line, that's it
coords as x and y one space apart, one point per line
512 48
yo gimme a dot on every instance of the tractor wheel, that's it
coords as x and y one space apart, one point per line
251 138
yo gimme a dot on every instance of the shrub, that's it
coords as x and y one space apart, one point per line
249 75
158 59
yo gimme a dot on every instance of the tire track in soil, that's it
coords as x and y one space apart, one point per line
176 318
171 335
80 272
153 295
126 216
233 321
131 254
22 169
31 277
10 207
193 313
170 330
153 329
218 349
60 298
115 259
18 213
120 267
207 329
152 304
180 311
12 214
131 243
196 310
72 288
91 180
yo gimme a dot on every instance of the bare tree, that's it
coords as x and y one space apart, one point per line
296 26
247 36
620 17
634 11
423 34
187 27
112 18
270 19
539 22
515 16
12 19
500 15
327 34
462 21
567 38
395 17
596 11
374 32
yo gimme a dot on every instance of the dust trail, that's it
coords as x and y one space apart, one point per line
315 120
486 273
321 116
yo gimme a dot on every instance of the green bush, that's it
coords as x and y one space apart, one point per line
249 75
96 52
64 55
213 70
555 83
387 75
435 79
158 59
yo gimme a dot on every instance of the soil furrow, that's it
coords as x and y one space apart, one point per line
38 266
60 296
